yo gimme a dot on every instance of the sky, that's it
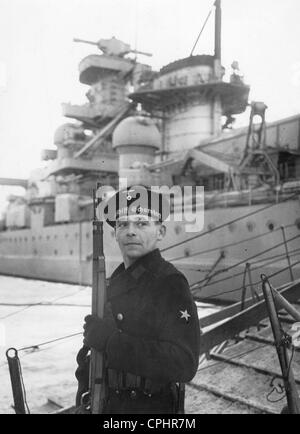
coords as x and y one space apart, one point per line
39 60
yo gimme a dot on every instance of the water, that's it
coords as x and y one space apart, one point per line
48 371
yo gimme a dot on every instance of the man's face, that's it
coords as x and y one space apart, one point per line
137 235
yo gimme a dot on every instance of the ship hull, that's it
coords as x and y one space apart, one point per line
63 252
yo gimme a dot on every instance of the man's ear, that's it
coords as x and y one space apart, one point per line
161 232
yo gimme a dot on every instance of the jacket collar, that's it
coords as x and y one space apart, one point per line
131 275
147 262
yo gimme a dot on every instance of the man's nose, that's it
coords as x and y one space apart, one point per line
131 229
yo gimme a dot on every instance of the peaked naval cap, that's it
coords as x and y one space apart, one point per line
136 200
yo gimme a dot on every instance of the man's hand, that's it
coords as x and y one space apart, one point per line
97 331
82 373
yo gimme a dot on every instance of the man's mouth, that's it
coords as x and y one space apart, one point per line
132 244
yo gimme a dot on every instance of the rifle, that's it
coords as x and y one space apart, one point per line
97 386
180 398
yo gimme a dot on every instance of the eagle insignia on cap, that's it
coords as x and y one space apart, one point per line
129 197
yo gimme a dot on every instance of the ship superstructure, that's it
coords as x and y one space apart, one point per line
171 127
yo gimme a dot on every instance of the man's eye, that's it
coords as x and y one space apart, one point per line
141 224
122 225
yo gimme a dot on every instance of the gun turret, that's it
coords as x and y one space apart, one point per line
113 47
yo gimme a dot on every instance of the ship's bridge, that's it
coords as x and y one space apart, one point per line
191 96
182 81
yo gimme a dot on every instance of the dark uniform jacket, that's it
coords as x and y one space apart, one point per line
157 342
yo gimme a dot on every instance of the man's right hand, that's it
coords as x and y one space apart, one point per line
82 373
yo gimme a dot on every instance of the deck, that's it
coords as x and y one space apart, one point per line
243 376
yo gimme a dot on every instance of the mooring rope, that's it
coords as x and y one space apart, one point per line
226 246
202 234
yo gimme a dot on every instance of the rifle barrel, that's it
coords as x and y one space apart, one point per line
97 368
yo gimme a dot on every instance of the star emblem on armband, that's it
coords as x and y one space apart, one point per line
185 315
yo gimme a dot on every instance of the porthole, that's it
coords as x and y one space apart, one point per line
271 226
48 237
250 226
55 252
187 252
232 227
178 229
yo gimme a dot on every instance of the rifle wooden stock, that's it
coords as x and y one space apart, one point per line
97 373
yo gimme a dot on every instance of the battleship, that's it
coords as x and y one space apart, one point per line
167 127
174 127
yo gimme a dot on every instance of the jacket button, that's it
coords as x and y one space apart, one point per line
120 317
133 394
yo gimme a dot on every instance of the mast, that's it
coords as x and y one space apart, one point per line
216 103
218 30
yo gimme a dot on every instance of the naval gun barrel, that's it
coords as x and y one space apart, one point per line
86 42
140 52
14 182
103 47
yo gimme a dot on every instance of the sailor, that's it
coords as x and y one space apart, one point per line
150 331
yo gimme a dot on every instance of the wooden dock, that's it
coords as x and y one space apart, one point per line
243 375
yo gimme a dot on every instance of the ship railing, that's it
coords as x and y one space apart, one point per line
246 260
259 264
227 224
236 243
247 197
215 296
197 287
212 273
